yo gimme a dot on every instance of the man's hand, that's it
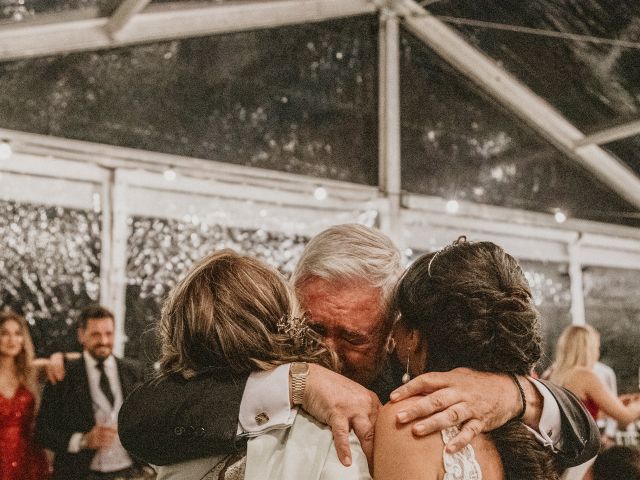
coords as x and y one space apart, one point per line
55 368
343 405
479 401
100 436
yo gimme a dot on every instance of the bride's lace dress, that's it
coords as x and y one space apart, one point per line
458 466
462 465
230 467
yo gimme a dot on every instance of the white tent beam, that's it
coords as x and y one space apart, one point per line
612 134
521 101
578 314
167 22
123 15
389 122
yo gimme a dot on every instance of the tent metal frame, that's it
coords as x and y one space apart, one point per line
134 21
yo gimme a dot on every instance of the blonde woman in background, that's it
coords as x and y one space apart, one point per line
232 315
20 457
577 352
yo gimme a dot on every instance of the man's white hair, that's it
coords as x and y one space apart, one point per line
351 252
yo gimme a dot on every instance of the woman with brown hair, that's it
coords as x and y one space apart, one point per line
20 457
467 305
232 315
577 352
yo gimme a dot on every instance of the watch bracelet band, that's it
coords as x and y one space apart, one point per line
298 383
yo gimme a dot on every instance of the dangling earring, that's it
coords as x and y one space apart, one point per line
390 346
406 377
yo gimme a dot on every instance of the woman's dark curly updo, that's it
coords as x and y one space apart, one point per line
473 306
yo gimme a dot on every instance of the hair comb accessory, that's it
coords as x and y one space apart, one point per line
296 328
460 240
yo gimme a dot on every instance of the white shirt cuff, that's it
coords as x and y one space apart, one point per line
74 442
550 420
265 402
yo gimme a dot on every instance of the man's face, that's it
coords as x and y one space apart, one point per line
97 337
349 317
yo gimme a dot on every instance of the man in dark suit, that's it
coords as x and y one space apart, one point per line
77 418
343 281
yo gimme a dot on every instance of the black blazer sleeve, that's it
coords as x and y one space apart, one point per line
51 430
580 436
173 420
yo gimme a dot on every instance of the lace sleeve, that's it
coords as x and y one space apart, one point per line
462 465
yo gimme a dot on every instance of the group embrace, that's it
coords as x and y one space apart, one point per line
262 380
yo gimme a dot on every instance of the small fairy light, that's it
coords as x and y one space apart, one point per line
169 174
320 194
5 151
453 206
560 216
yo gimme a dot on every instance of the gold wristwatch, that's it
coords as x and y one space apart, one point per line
298 372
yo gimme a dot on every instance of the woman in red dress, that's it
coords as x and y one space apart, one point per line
20 457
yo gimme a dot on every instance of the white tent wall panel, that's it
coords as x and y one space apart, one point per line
599 256
245 213
86 160
50 166
284 202
425 232
47 191
283 193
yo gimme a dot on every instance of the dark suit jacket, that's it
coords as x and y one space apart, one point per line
67 408
174 420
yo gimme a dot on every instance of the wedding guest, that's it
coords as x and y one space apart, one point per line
21 458
232 315
577 352
78 415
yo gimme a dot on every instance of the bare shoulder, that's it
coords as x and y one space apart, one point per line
398 454
582 376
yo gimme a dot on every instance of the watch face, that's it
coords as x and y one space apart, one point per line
299 368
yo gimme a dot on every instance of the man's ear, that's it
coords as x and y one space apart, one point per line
80 333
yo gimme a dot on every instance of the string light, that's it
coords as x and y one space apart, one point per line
453 206
5 151
169 174
320 193
560 216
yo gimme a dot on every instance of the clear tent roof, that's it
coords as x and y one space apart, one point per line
303 98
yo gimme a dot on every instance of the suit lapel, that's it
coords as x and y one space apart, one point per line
83 392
